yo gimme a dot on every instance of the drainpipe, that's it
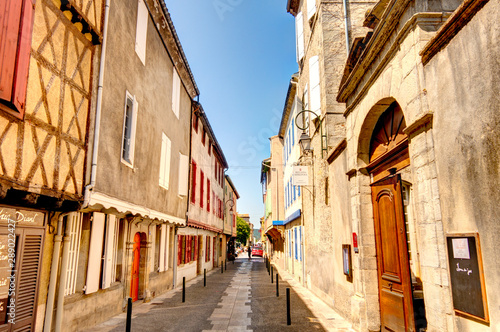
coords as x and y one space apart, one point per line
97 125
62 278
346 21
53 273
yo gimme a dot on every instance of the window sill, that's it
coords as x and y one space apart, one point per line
126 163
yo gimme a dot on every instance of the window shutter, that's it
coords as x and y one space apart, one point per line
208 195
167 248
95 253
162 247
183 174
109 249
176 93
295 237
311 8
202 182
193 182
179 249
314 81
300 243
141 31
74 220
299 34
166 147
15 34
196 240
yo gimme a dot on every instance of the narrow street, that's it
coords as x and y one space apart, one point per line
240 299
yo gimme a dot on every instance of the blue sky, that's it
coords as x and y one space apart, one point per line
242 55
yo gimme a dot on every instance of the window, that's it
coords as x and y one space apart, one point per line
15 34
202 182
195 122
176 93
209 146
208 195
163 249
157 249
299 34
166 147
311 8
129 128
327 193
193 182
141 31
314 81
293 132
183 174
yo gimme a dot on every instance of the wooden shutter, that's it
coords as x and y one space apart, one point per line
163 233
166 147
176 93
208 195
74 221
16 27
299 31
179 249
202 182
311 8
183 174
167 248
109 249
141 31
95 253
314 81
193 182
28 272
196 240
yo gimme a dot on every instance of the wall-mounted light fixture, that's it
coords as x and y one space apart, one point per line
305 140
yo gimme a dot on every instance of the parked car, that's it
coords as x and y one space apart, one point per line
257 251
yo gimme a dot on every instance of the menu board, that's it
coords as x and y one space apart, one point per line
466 275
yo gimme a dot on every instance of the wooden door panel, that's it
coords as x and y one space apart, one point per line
393 319
396 308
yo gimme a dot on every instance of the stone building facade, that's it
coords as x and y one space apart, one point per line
405 174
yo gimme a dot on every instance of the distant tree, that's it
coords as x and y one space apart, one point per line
242 230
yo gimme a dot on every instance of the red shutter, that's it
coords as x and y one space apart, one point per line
202 182
195 122
186 252
193 182
15 35
179 249
195 248
208 195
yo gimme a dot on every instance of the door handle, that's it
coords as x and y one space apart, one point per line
390 286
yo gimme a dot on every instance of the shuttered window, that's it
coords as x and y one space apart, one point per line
74 222
166 149
179 249
162 248
16 24
95 253
193 182
176 93
208 195
314 82
110 250
202 182
141 31
311 8
299 34
183 174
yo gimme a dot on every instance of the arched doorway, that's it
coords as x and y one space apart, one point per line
388 157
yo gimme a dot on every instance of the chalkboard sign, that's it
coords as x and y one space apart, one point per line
466 274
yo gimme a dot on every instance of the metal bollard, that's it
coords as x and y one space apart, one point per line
222 268
183 289
272 275
277 286
204 277
129 315
225 265
288 318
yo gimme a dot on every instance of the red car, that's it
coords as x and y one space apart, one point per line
257 251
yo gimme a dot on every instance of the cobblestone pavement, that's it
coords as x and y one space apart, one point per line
241 299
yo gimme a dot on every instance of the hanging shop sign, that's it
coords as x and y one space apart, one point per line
300 176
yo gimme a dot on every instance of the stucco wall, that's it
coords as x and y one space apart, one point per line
151 84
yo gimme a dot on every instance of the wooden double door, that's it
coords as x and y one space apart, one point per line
394 279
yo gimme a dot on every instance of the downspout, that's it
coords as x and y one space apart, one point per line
97 125
346 21
62 278
53 273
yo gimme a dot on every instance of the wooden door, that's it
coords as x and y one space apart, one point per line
396 308
136 258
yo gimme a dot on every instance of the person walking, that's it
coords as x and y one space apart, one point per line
249 252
